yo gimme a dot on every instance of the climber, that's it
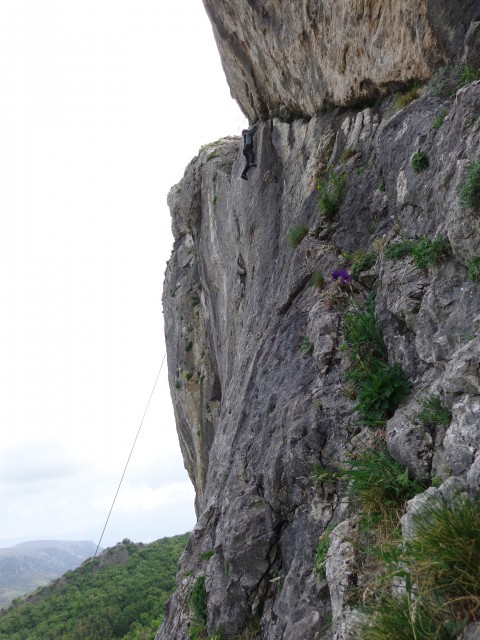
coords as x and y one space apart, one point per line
248 149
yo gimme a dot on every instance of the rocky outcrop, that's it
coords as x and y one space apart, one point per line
256 368
292 57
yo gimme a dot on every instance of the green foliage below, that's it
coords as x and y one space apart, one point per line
425 251
321 554
439 120
380 386
419 161
399 250
296 235
407 97
363 263
473 272
440 565
332 193
432 412
379 483
317 280
121 597
448 80
470 192
428 252
306 347
198 605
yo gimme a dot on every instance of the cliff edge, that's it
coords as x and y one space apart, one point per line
314 315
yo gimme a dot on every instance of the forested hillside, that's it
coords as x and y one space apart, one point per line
120 596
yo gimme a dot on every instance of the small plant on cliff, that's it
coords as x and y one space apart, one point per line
363 263
332 192
419 161
296 235
306 347
473 272
399 250
428 252
407 97
433 413
425 251
470 192
321 554
381 387
439 120
381 485
317 280
440 567
198 605
448 80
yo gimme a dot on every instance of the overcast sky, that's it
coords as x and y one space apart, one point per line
102 105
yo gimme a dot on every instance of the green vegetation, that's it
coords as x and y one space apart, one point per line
332 193
407 97
120 597
198 605
321 554
296 235
448 80
188 375
437 123
425 251
212 155
428 252
399 250
380 485
364 262
317 280
473 272
440 567
188 345
206 555
470 192
432 412
419 161
380 386
305 346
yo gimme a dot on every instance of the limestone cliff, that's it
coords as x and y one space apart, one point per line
255 328
291 57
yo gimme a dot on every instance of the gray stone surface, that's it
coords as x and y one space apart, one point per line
254 413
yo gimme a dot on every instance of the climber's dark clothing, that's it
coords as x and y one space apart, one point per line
248 151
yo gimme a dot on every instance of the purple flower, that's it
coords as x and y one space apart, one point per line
342 275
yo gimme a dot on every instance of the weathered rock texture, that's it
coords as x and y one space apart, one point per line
293 56
254 413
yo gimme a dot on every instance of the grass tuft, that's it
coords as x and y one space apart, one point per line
296 235
363 263
425 251
473 272
332 192
432 412
439 120
419 161
470 192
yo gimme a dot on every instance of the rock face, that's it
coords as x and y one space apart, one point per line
254 349
284 57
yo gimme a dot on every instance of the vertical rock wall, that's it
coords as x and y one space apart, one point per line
254 411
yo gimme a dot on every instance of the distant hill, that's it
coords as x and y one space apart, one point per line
119 596
29 565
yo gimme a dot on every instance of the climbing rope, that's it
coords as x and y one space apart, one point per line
92 561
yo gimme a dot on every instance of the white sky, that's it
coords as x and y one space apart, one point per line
102 105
